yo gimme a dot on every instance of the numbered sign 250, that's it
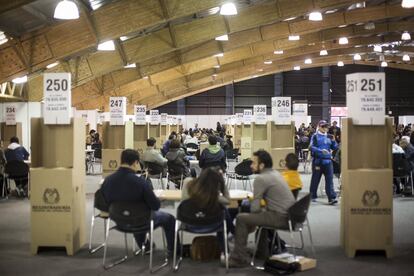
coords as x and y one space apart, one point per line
57 84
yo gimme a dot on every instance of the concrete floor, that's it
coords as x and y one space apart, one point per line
15 257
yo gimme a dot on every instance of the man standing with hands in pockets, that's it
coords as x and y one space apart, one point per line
321 147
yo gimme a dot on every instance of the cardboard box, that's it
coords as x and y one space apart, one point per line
58 145
111 159
154 131
278 157
246 142
9 131
259 132
367 210
304 262
57 208
246 130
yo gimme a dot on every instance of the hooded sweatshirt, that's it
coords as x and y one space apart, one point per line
213 155
16 152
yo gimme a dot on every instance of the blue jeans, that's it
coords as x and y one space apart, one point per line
327 171
167 222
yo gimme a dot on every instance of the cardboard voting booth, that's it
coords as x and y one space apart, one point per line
282 142
57 185
366 205
246 141
259 137
115 139
140 138
155 131
237 136
9 131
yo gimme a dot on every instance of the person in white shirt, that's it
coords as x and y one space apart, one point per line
191 139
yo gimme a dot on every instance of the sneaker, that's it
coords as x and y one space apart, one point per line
314 200
333 202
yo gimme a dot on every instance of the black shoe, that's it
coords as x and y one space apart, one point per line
333 202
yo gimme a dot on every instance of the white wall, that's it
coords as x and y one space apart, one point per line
24 113
405 120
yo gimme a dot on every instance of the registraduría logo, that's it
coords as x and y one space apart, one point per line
370 198
51 196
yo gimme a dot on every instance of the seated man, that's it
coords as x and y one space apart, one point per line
213 155
125 185
268 187
152 155
15 151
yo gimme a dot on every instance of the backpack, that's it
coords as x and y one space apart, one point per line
205 248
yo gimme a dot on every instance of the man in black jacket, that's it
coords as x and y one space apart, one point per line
213 155
125 185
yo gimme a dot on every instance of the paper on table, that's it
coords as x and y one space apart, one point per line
158 193
240 194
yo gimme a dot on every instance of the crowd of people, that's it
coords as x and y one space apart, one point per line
403 158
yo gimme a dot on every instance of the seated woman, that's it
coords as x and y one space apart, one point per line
208 190
176 157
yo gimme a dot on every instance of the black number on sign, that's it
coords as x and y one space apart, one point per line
282 103
10 109
351 86
116 103
379 85
56 85
364 85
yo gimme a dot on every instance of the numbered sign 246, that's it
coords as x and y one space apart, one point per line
282 110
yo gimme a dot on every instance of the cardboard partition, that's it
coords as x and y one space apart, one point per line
278 157
246 130
259 132
111 159
58 145
245 153
246 142
140 147
57 208
237 136
367 211
9 131
154 131
281 136
257 145
118 137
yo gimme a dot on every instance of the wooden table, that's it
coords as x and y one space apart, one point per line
175 195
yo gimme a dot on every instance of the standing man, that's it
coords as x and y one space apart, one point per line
271 201
335 130
321 146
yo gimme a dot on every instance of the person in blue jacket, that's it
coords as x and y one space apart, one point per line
321 147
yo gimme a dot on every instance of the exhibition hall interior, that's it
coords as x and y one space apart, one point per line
208 137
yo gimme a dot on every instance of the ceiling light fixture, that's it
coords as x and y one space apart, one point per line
222 38
278 52
331 11
66 10
377 48
406 58
408 4
315 16
123 38
216 66
214 75
289 19
106 46
228 9
254 76
405 36
145 77
340 63
343 40
219 55
294 37
52 65
384 64
308 61
296 68
3 38
268 62
130 65
323 52
20 80
357 57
